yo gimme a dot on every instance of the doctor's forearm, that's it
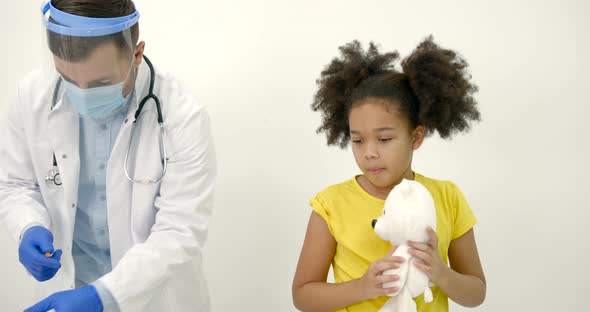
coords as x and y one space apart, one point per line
466 290
321 296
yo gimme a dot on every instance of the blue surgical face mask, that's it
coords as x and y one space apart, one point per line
96 102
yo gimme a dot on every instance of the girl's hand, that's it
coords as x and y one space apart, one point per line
433 264
371 284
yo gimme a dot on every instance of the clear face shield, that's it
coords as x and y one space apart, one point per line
94 58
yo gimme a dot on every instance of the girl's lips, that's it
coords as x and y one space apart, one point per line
375 170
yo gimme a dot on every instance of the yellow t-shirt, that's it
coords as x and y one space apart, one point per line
348 211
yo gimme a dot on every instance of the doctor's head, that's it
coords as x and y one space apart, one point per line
94 43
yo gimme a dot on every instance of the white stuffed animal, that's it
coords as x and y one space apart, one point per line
409 210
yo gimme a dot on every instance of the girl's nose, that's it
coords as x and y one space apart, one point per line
371 152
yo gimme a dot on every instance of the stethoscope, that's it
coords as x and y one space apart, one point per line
53 178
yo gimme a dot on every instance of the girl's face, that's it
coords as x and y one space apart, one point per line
383 143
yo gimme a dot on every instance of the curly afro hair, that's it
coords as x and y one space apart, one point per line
433 90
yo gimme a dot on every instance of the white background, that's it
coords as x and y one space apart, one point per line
254 64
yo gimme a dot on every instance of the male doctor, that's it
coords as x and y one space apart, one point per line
107 170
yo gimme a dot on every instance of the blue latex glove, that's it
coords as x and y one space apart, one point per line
35 242
82 299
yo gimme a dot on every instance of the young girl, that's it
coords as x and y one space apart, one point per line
386 114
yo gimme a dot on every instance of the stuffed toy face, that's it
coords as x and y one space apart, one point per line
408 210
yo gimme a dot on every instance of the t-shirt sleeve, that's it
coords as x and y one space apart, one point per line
317 204
464 217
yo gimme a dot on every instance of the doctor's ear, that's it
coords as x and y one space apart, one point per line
138 54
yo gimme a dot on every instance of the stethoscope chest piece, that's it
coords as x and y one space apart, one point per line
53 178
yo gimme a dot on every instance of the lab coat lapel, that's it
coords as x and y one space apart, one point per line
119 189
64 134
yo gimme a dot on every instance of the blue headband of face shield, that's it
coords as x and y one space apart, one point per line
97 102
81 26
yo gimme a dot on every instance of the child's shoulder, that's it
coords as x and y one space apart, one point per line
453 209
344 199
436 186
338 189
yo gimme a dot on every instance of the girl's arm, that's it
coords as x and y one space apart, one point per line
464 282
310 290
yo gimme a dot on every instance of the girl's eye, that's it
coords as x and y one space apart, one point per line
356 141
385 139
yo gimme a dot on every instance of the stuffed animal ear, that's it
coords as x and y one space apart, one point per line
404 188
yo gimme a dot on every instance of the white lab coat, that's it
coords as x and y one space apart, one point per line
157 232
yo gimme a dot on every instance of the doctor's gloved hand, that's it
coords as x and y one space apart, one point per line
35 243
82 299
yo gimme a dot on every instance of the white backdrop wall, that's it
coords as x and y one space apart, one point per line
254 65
